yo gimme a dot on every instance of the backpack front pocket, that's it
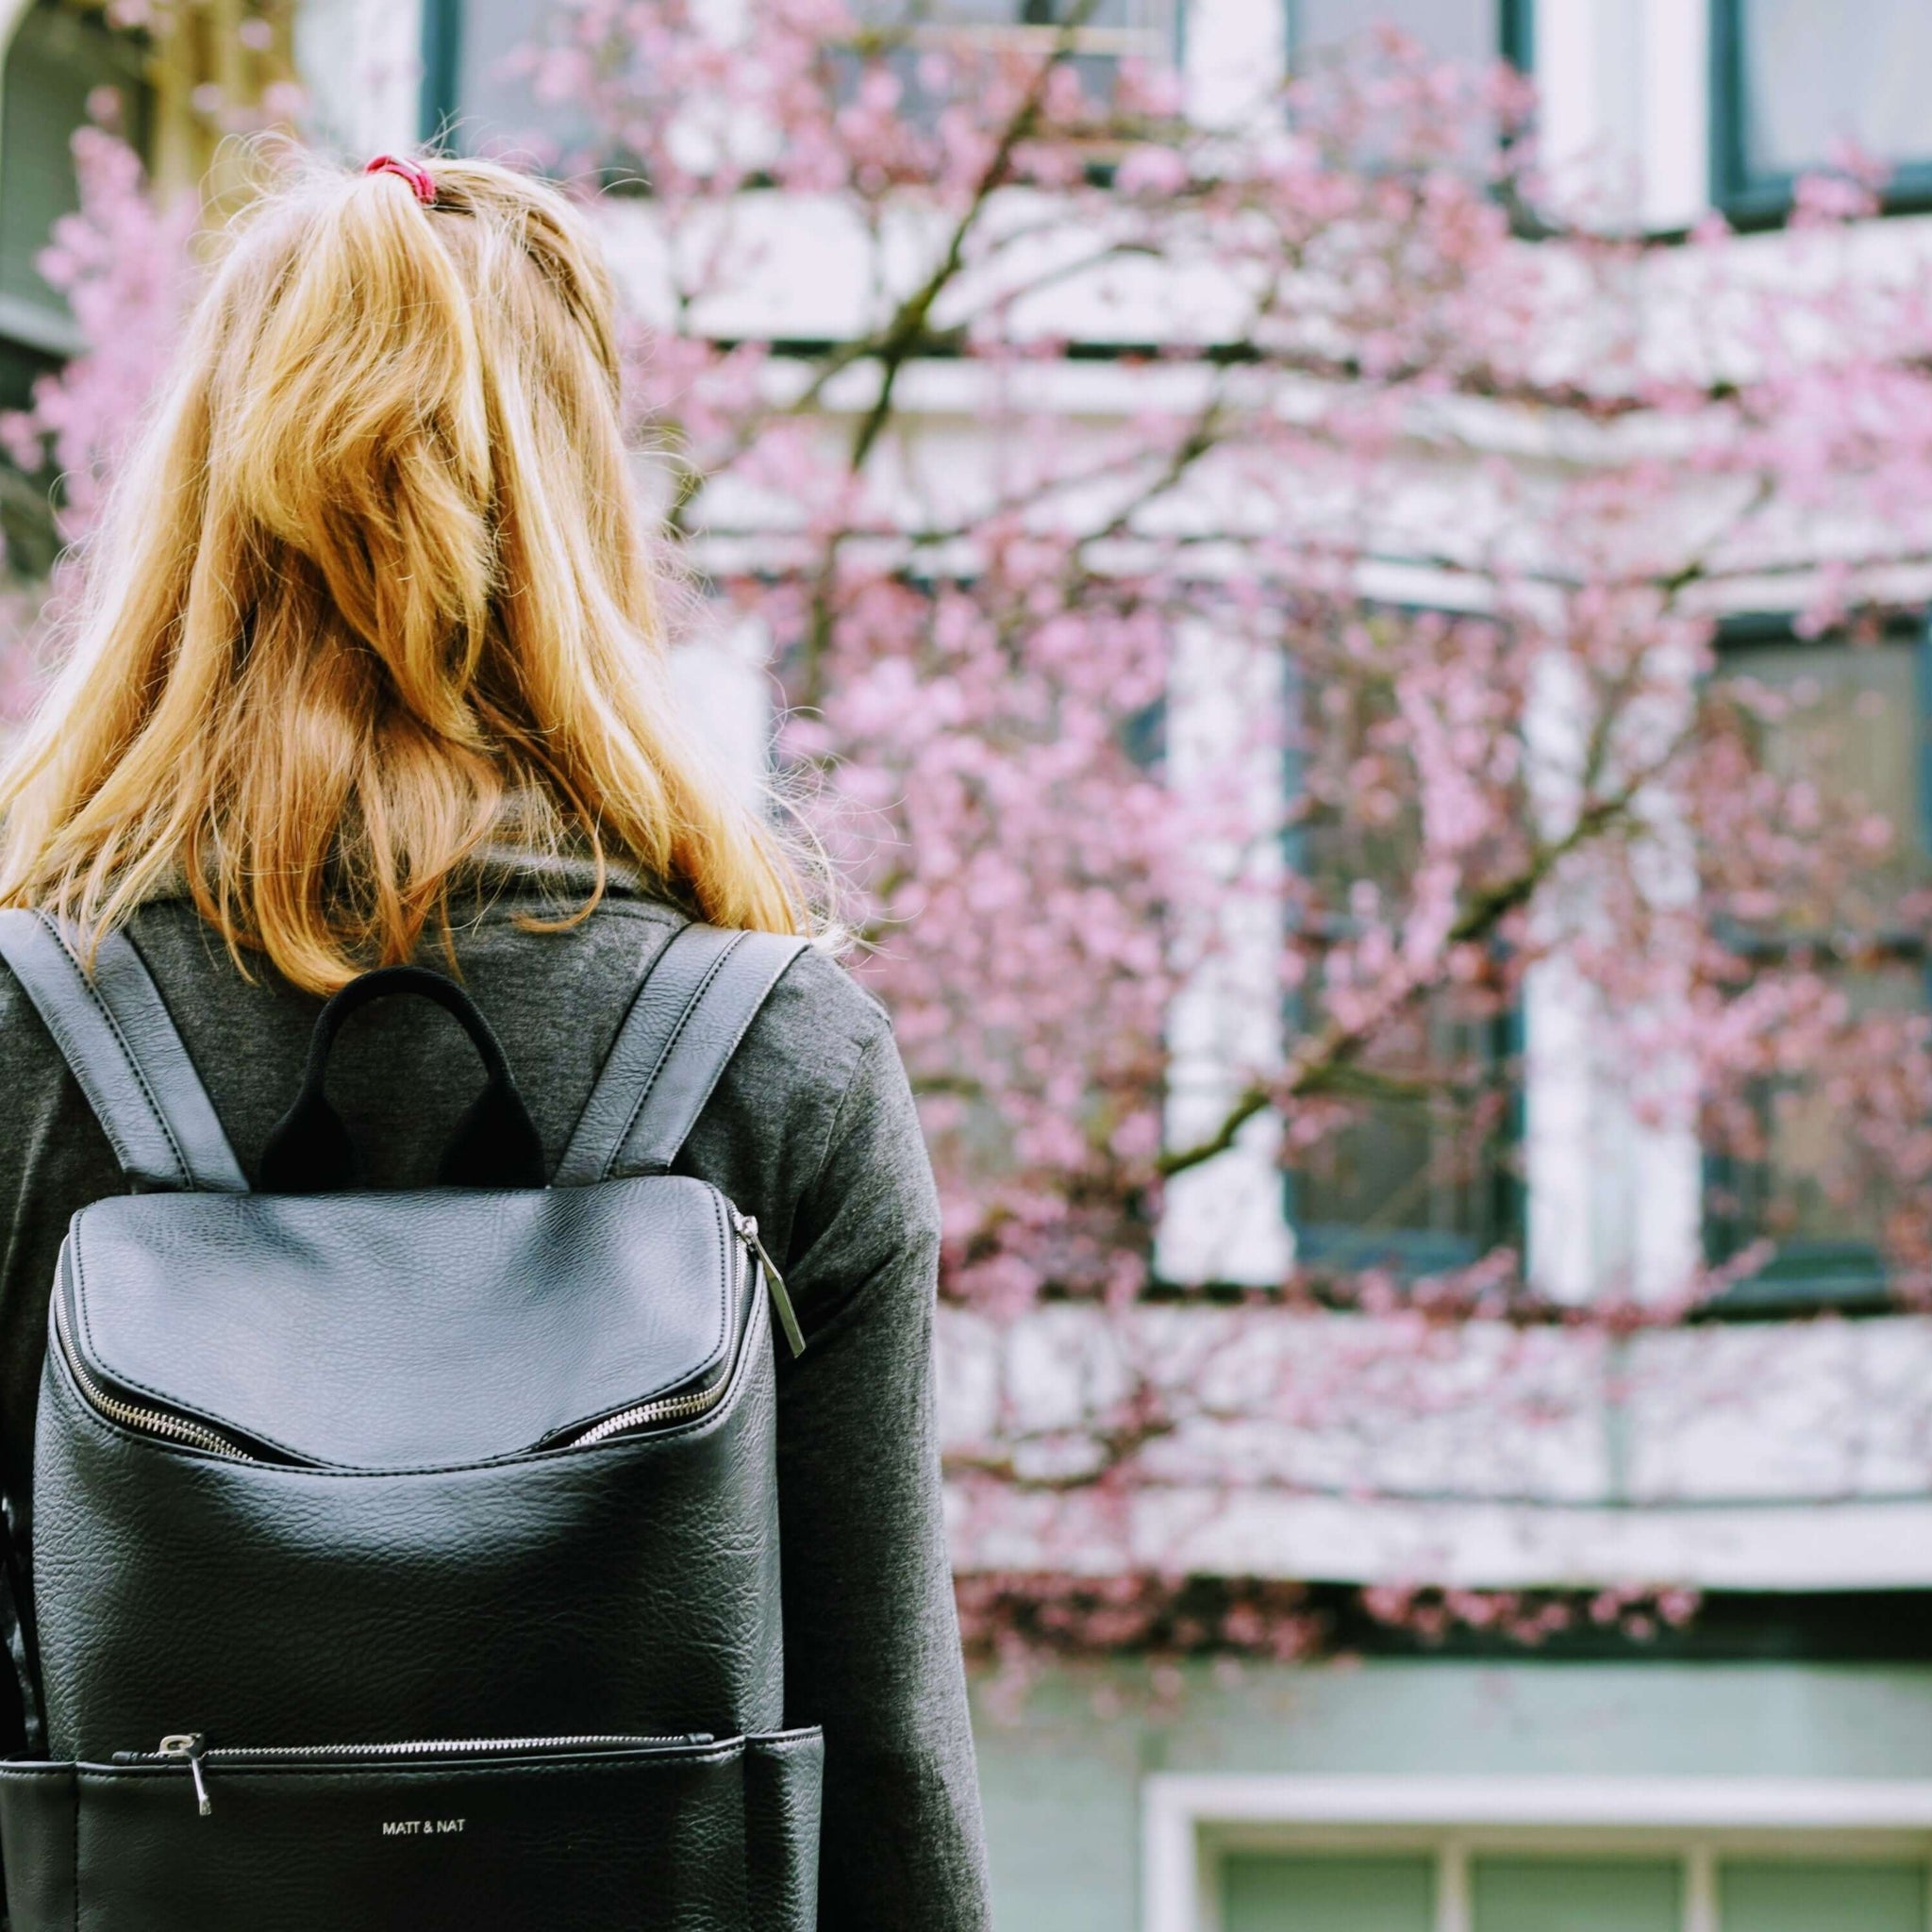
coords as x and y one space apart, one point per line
571 1835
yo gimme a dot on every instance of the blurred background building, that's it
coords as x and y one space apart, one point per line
1766 1767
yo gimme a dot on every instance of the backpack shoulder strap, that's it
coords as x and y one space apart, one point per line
699 996
116 1035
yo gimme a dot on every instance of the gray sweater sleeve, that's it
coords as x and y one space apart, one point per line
872 1638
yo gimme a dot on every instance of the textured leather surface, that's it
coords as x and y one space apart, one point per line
669 1840
115 1033
631 1587
784 1778
699 996
38 1823
393 1330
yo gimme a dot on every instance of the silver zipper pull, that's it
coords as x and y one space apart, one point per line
775 1284
191 1746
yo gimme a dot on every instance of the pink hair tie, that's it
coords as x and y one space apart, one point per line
413 173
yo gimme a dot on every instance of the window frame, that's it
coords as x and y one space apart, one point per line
1190 1821
1516 33
1816 1276
438 107
1764 201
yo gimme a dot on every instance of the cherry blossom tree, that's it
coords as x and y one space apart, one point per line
1014 410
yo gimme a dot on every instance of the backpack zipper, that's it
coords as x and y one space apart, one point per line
775 1284
149 1421
670 1408
191 1748
663 1409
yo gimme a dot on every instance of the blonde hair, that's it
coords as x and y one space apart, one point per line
373 592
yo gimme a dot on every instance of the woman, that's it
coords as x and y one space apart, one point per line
370 668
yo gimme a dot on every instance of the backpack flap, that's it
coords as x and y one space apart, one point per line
390 1331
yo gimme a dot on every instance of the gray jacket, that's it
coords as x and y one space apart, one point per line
812 1130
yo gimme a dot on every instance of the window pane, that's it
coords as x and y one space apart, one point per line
1329 1894
1818 73
1453 29
1412 1185
1815 1196
58 56
1576 1895
496 108
1848 717
1822 1898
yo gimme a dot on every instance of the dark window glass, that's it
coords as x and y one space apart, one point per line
1850 719
1416 1184
1799 80
58 56
1110 31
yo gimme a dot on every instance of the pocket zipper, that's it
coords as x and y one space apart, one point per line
191 1748
190 1434
775 1284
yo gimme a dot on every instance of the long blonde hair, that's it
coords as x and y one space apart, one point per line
375 592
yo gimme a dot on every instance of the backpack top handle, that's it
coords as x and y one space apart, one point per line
495 1144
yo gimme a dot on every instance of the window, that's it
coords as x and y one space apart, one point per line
1793 81
1509 1892
1421 1176
1851 718
1229 1852
474 95
1452 29
60 54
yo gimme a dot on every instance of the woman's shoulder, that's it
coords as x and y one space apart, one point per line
818 1023
27 1051
813 1031
816 998
814 1078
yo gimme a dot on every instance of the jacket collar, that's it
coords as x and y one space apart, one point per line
502 870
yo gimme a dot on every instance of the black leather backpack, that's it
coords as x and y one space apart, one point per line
408 1560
